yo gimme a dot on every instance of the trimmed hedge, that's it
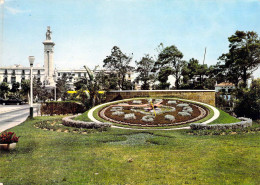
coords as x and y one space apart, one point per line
246 122
62 107
68 121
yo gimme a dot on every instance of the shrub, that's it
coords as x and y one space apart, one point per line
183 105
118 113
137 102
148 118
68 121
114 109
172 102
169 117
62 107
130 116
248 103
246 122
184 113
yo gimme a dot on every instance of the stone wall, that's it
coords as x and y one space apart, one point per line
246 122
204 96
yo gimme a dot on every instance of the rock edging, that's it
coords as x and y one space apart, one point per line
68 121
245 122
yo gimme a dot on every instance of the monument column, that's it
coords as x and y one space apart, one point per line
48 58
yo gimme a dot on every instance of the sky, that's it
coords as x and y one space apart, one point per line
84 31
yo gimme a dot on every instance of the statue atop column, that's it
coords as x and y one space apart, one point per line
48 33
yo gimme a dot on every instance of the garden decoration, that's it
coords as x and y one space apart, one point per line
153 112
148 107
8 140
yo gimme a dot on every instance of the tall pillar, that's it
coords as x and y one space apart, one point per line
48 58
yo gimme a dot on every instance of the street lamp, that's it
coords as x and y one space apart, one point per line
55 86
31 60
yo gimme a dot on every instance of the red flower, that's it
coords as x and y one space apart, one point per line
8 137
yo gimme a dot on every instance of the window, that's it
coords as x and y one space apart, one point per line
22 79
5 79
13 79
13 73
79 74
58 74
6 72
23 72
85 75
39 72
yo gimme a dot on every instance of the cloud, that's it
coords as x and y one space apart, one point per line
15 11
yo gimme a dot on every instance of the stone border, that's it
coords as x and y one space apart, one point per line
68 121
214 117
245 122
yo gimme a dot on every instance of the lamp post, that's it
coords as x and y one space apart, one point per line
31 60
55 86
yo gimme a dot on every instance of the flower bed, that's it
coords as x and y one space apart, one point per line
8 140
142 113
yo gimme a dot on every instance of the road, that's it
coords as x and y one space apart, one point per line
12 115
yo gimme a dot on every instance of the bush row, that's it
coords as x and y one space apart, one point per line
62 107
246 122
68 121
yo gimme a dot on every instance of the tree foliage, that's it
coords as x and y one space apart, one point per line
119 63
62 88
243 57
171 57
4 89
248 101
144 69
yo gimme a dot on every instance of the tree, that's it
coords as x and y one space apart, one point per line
4 89
15 87
248 101
62 88
171 57
25 89
189 72
243 57
88 87
163 77
144 69
119 63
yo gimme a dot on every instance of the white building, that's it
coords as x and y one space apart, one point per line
46 74
18 73
225 89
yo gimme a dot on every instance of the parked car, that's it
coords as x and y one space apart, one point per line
12 101
2 101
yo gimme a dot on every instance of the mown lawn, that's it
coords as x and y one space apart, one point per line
130 157
224 118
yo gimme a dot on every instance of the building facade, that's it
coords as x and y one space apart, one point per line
46 74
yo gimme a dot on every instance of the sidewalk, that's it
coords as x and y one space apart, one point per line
9 108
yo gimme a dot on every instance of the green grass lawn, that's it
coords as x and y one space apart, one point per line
129 157
224 118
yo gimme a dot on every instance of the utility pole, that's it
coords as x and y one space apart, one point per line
2 32
204 55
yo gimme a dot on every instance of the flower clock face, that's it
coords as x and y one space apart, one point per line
153 112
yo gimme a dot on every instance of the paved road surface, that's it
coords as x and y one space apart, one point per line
12 115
